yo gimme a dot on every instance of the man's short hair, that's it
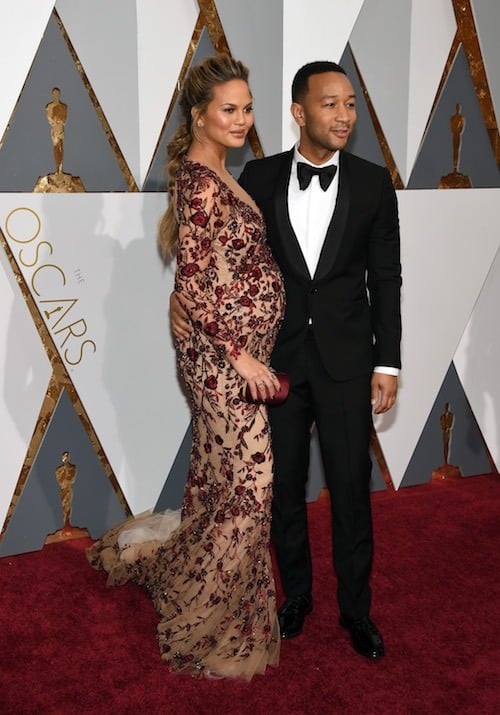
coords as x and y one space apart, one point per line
300 84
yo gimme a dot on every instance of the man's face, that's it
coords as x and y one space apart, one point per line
326 114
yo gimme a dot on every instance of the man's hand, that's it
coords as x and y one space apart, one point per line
384 391
179 318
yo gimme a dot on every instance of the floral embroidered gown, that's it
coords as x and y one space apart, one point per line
211 579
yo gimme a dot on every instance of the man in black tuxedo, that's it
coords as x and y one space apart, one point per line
332 224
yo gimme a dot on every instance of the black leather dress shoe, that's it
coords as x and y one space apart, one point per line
366 638
292 614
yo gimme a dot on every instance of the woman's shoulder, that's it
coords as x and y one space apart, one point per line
194 171
194 178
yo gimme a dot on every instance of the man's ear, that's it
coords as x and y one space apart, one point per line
298 113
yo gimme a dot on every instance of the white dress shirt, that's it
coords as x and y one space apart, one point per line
310 212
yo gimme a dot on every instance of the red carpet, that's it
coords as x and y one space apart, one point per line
70 645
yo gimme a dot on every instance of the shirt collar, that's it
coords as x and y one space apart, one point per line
297 156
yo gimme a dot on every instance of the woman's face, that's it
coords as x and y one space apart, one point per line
228 116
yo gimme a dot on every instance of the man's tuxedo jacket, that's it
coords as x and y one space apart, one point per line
353 299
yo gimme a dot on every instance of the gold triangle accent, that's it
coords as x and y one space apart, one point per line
49 403
468 35
382 464
193 44
384 146
59 380
208 18
131 183
455 46
212 21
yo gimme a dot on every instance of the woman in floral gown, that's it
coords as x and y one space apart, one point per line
211 578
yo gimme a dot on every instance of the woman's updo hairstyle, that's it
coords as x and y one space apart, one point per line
197 92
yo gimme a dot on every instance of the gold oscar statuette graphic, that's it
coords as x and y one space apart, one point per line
65 476
446 470
456 180
58 182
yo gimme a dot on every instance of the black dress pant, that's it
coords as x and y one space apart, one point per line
342 413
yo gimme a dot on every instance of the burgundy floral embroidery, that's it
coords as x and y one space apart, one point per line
211 382
211 582
246 301
212 328
189 269
200 218
196 203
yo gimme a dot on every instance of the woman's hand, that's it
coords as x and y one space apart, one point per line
180 323
261 379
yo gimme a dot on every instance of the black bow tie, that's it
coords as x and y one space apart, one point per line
305 173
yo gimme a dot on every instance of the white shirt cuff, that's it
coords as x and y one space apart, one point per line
387 370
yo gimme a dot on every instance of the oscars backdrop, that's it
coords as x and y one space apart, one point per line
94 423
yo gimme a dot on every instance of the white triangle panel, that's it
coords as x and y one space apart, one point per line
380 43
448 242
104 35
104 294
25 372
23 25
316 31
433 27
164 31
477 359
487 19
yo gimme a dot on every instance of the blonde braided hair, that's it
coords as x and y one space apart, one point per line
197 93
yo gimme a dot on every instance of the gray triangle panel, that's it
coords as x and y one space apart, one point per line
173 490
254 31
435 158
467 450
377 483
38 513
27 152
156 179
363 141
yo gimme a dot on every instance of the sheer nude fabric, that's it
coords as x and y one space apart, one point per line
211 578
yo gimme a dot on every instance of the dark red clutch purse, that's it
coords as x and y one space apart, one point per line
279 396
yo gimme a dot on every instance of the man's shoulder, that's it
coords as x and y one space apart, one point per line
357 163
267 162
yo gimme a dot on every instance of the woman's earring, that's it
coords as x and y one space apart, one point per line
199 124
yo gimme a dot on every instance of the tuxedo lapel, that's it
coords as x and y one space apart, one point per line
337 224
287 235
